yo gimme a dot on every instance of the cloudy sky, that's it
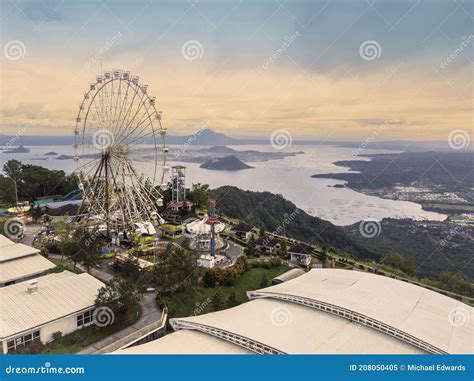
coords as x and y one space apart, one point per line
319 69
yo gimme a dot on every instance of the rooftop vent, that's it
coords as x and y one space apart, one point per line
32 286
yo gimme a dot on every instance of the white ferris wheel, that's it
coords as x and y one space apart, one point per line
120 152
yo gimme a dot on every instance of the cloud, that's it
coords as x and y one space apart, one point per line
378 122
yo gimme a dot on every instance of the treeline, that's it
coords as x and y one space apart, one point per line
32 181
275 214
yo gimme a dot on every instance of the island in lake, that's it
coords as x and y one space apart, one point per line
19 149
226 163
64 157
51 153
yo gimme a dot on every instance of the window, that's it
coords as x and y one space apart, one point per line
23 340
84 319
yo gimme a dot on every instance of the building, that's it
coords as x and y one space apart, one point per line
289 275
178 206
19 262
267 244
328 311
243 231
208 261
171 230
35 309
301 253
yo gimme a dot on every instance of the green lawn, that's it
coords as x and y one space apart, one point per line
196 300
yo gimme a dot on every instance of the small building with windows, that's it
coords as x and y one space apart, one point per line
267 244
35 309
301 253
243 231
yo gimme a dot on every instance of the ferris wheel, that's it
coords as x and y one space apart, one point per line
120 152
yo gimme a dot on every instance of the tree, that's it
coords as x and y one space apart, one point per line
251 248
33 181
261 233
283 250
216 301
120 295
175 268
82 246
35 212
199 195
264 281
12 169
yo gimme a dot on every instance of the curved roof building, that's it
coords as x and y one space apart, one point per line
328 311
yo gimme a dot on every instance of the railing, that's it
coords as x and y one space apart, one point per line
352 316
128 340
241 341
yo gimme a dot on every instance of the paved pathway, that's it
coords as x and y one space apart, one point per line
150 314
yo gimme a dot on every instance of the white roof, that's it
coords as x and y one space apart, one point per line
291 328
290 318
23 267
201 227
185 341
415 310
11 250
58 295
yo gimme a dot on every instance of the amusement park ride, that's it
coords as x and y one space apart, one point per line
213 221
120 154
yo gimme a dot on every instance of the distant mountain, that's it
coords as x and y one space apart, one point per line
64 157
19 149
51 153
208 137
226 163
205 137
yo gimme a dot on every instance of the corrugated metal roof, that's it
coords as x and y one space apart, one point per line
23 267
290 327
420 312
185 341
290 274
11 250
58 295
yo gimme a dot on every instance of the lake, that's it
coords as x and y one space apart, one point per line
290 177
